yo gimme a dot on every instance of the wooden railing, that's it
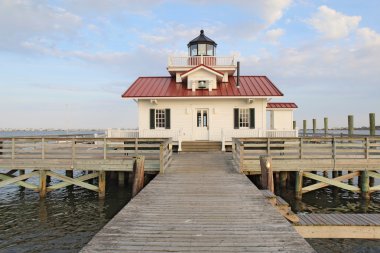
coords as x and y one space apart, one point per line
106 154
308 154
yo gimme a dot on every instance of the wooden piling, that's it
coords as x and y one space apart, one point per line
326 125
314 126
42 187
350 125
1 147
121 178
267 181
372 124
21 172
326 173
299 184
138 173
102 184
365 184
69 173
283 178
304 127
294 125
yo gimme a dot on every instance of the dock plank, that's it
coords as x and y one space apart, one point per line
200 204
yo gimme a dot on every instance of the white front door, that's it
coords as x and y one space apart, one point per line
202 124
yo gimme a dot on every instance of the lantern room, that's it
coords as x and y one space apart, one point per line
202 45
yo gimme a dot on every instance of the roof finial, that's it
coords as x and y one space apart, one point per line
202 32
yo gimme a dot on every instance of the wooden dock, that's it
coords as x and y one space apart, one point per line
200 204
363 226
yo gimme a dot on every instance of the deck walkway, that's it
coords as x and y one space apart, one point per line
200 204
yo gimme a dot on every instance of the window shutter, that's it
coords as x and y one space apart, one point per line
152 119
252 118
236 118
167 118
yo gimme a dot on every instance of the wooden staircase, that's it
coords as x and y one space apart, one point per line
201 146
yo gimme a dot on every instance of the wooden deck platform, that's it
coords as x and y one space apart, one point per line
200 204
364 226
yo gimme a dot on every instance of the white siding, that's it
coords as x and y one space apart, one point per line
282 120
183 115
201 74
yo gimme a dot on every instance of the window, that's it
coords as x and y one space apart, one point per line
210 50
201 49
160 118
244 117
193 50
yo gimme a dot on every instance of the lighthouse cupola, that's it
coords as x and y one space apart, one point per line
202 45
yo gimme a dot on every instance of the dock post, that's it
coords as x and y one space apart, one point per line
294 125
283 178
372 125
267 181
69 173
304 127
326 124
138 175
299 183
42 187
314 126
102 184
121 178
350 125
365 184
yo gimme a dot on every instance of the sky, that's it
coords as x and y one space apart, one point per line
65 63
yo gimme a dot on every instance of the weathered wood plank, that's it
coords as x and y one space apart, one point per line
199 204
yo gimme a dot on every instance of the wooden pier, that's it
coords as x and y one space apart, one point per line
355 157
200 204
27 157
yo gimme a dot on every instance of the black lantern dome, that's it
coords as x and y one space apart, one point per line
202 45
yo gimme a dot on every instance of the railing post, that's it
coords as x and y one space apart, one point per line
162 168
201 58
241 166
223 141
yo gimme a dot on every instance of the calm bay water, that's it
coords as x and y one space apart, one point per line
64 222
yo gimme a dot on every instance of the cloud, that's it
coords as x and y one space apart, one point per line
273 35
22 20
368 36
332 24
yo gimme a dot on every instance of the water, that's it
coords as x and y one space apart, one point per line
334 200
26 133
337 132
64 222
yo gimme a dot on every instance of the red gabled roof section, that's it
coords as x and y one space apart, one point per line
282 105
161 87
202 65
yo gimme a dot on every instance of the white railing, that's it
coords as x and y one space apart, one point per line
122 133
227 135
186 61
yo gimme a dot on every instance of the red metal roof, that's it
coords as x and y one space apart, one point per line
282 105
250 86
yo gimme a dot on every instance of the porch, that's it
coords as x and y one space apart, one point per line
178 136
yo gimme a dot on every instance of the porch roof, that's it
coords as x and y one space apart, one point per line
281 105
161 87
